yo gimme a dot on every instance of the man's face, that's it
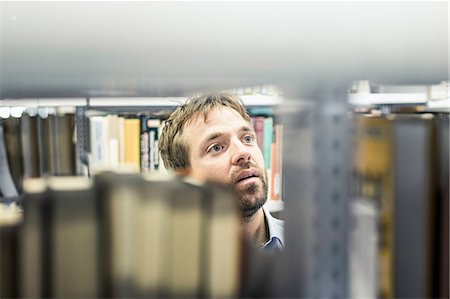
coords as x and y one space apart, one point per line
223 149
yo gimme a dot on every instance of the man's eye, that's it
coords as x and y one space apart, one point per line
215 148
248 139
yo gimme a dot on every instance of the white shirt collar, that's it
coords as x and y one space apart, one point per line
276 227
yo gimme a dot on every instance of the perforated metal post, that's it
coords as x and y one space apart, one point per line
332 150
316 194
82 140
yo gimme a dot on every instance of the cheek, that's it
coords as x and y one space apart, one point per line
211 170
259 158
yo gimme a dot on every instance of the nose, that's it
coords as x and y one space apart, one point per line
241 153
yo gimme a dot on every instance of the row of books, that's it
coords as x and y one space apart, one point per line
37 146
132 142
127 236
118 141
400 186
269 136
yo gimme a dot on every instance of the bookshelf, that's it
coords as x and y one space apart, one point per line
218 275
249 101
369 99
157 107
399 165
425 98
329 172
48 52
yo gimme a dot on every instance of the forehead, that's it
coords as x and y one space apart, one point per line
216 119
217 116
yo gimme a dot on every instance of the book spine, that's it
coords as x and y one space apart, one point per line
132 143
267 140
113 141
144 143
153 126
98 141
258 125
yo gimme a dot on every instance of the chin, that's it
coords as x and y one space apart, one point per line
252 198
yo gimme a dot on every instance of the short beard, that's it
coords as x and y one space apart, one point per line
249 199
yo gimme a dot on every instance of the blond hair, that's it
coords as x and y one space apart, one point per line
173 146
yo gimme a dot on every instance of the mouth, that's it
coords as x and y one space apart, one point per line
247 176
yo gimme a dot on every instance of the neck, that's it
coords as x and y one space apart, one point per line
255 228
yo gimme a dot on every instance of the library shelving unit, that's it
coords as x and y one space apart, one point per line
399 190
313 50
82 107
319 136
81 202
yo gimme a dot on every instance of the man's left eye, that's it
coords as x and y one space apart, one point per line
215 148
248 139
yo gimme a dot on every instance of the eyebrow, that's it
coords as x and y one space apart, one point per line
215 135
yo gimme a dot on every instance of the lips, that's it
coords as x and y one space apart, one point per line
246 174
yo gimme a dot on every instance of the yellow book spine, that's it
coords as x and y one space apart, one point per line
132 146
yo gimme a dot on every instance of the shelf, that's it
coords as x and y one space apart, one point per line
261 100
439 105
367 99
274 205
136 102
249 100
44 102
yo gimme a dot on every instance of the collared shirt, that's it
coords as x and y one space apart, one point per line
276 232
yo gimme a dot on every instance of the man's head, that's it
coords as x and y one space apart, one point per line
211 137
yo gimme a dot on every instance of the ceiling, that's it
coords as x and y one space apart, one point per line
137 48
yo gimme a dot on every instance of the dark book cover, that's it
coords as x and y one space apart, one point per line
73 238
62 133
14 149
30 146
7 187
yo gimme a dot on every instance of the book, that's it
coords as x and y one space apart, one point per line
153 137
107 143
267 140
113 138
373 180
73 235
155 220
32 261
30 146
400 180
161 167
186 233
14 149
98 132
123 215
43 127
222 256
278 157
121 140
363 249
258 125
145 143
131 142
8 188
63 148
442 260
9 251
129 235
51 144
